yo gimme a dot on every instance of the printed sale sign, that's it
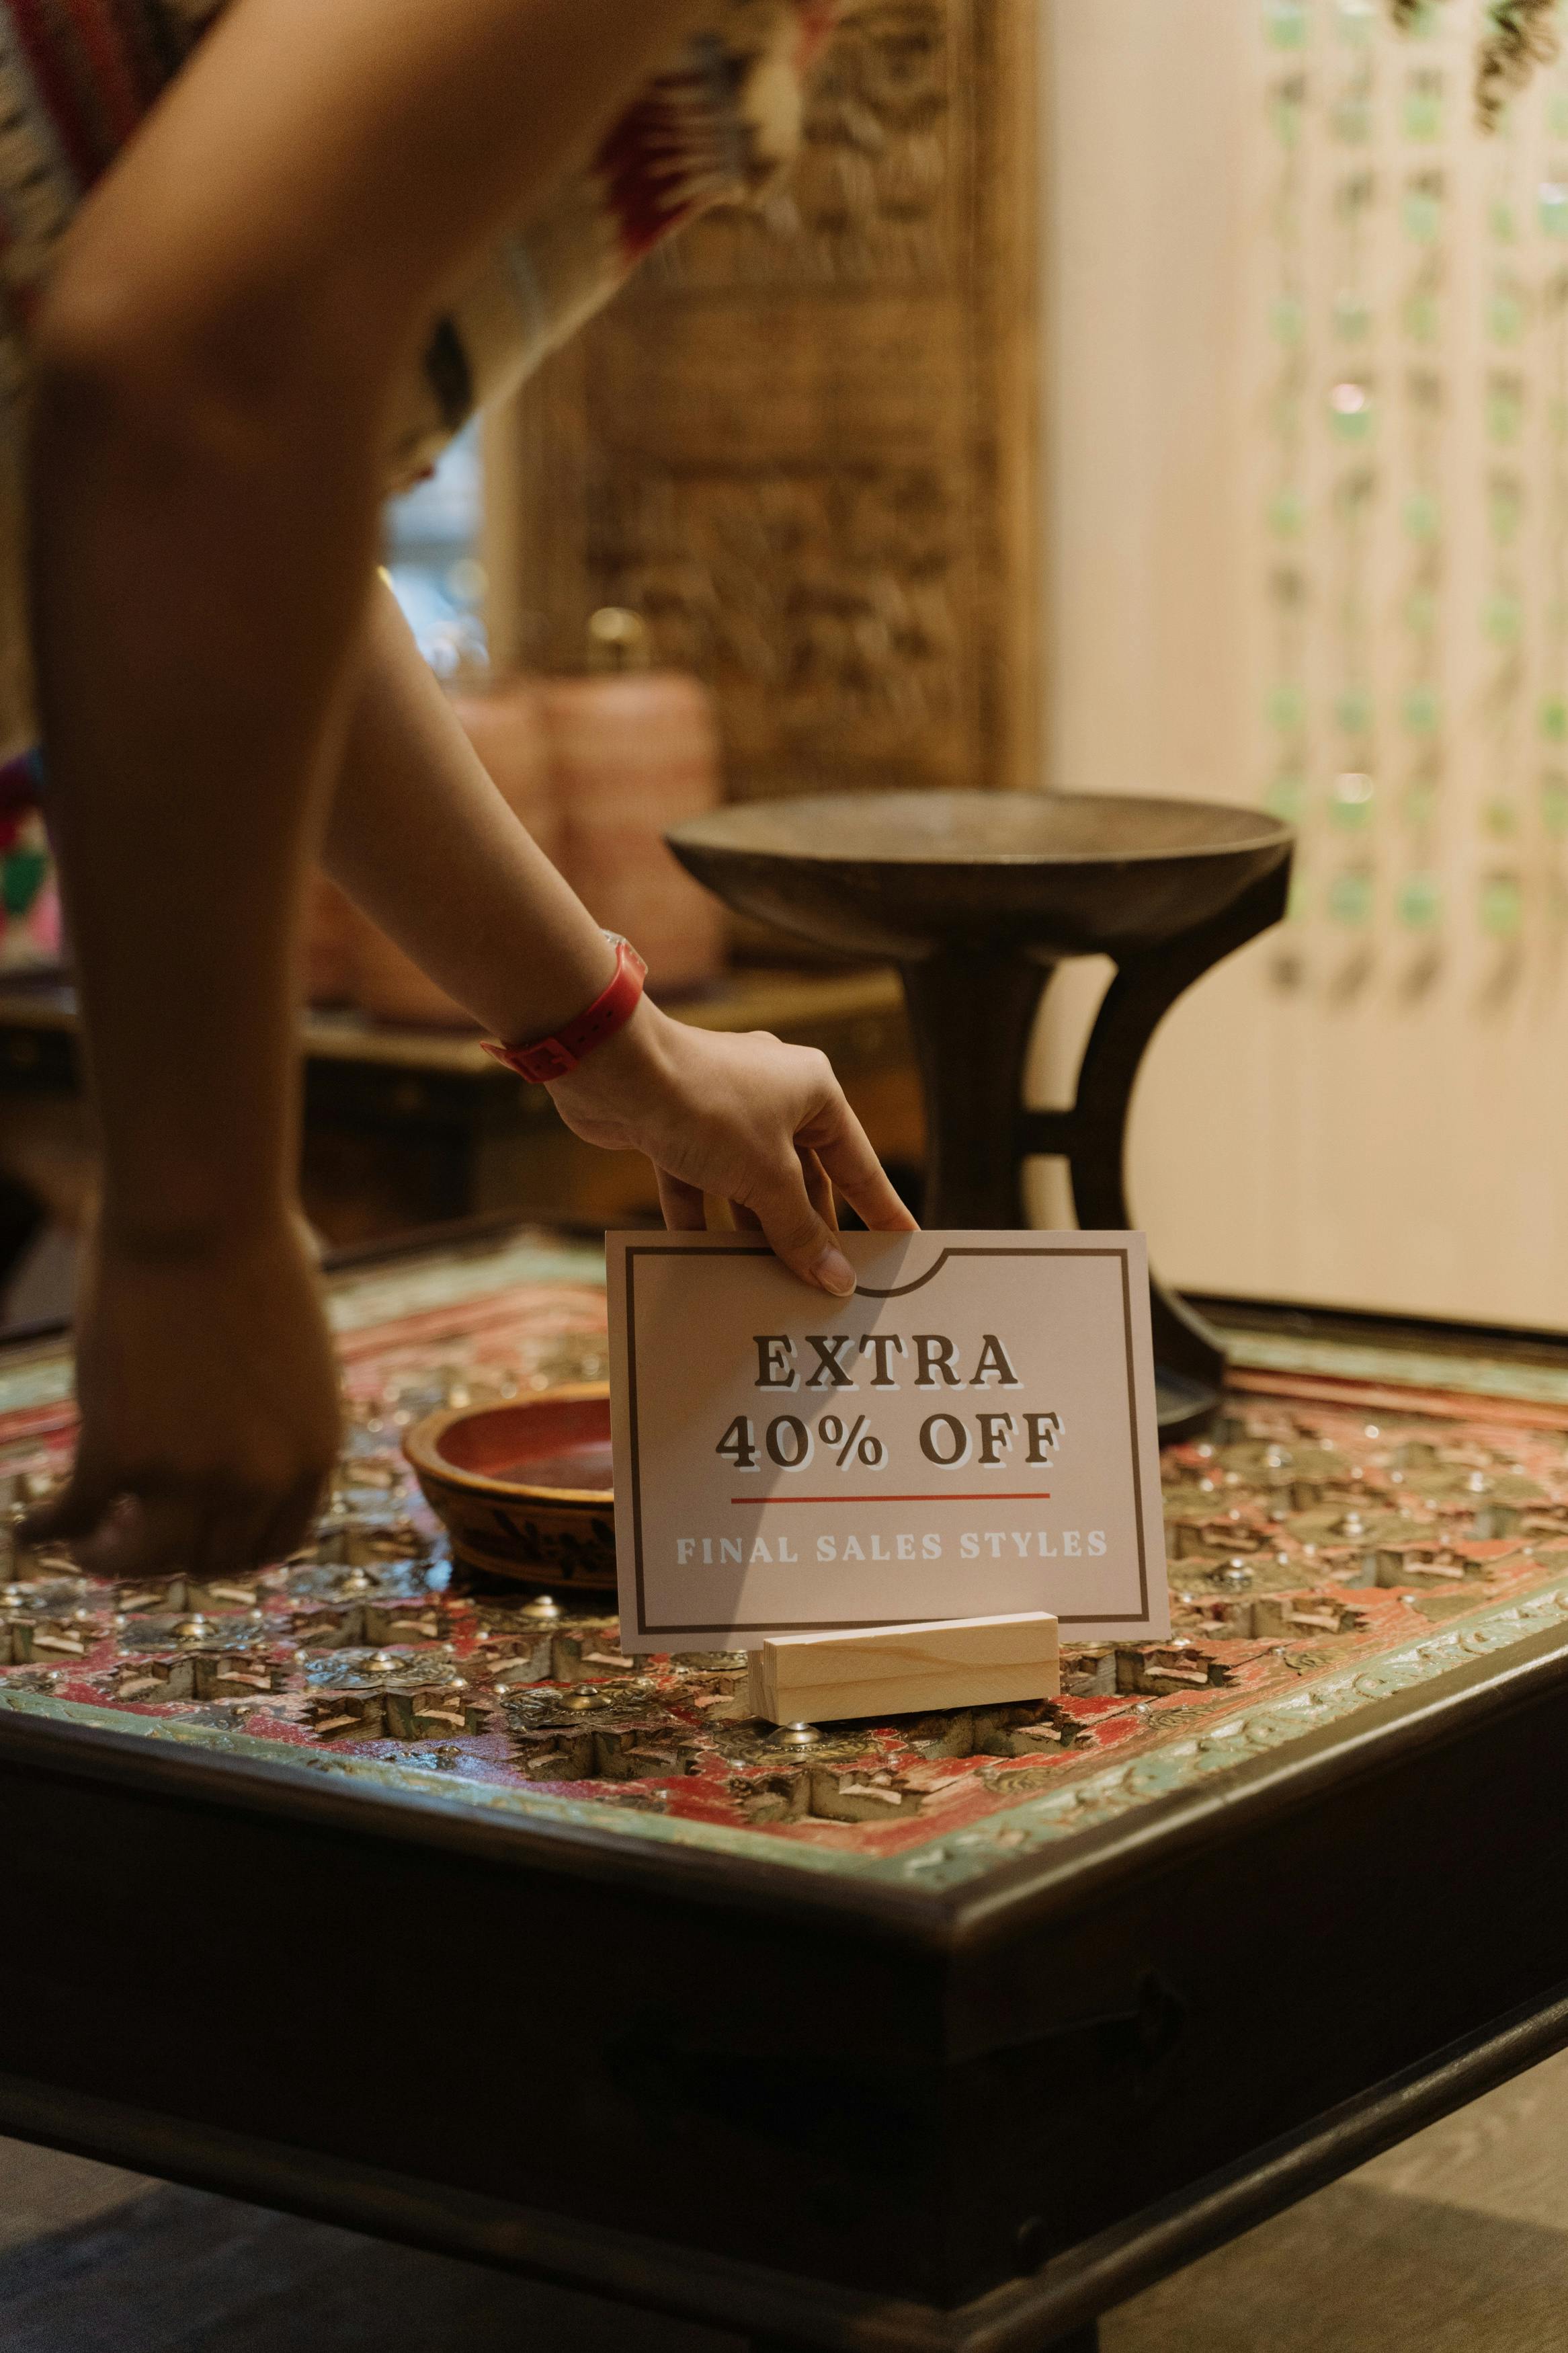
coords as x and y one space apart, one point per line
972 1433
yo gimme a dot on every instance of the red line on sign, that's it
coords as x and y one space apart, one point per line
765 1500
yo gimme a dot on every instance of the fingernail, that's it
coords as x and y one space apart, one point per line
834 1273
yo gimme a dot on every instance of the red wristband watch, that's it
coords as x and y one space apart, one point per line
552 1058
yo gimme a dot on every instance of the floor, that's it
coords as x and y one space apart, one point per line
1455 2243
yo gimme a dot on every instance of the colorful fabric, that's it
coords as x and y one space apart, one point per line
717 125
78 77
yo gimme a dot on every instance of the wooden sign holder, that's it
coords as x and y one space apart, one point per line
883 1671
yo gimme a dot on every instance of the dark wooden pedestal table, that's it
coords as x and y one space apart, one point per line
978 897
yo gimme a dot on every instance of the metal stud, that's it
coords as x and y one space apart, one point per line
795 1736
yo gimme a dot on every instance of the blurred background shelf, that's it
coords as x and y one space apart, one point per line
411 1127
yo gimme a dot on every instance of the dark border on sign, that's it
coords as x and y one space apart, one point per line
840 1625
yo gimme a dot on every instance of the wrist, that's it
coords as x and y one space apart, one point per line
620 1087
636 1055
545 996
550 1056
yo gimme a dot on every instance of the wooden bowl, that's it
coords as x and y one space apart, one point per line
523 1488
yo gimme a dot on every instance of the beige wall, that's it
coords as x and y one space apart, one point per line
1370 1144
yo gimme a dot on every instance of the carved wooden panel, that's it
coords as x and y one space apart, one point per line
803 443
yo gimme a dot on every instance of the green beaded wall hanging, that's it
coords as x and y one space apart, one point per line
1414 518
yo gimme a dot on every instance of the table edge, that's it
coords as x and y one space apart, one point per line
954 1924
693 2283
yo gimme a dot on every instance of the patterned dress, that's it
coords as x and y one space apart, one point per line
76 77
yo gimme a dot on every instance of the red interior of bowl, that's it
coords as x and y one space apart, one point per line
547 1442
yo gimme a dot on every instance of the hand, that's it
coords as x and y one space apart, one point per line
759 1124
209 1405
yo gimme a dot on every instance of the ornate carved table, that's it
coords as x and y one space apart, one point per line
427 1911
978 897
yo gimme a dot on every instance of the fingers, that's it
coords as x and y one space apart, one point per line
819 1189
128 1537
212 1535
225 1542
138 1536
844 1149
799 1234
788 1142
290 1523
75 1511
682 1204
818 1192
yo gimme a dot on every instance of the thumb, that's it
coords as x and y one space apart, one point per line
806 1242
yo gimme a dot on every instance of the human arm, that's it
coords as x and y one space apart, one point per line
419 836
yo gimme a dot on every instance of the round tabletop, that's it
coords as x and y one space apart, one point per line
909 874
